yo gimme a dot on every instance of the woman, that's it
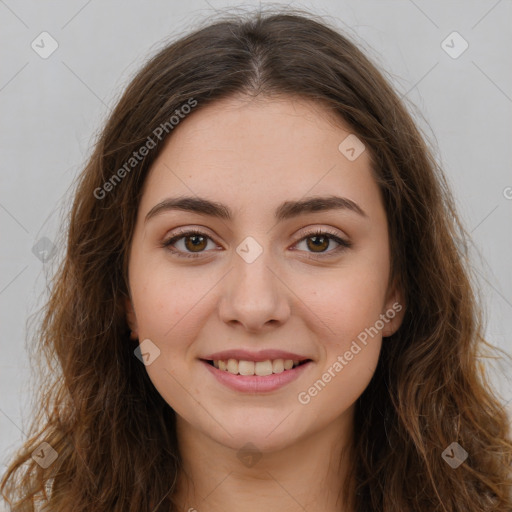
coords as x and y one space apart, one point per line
263 305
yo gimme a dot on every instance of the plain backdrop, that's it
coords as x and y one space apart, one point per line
51 109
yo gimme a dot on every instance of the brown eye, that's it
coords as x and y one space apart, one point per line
193 244
198 242
319 243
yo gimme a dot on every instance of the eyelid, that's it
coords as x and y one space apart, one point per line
311 231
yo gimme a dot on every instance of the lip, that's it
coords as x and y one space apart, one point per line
261 355
257 383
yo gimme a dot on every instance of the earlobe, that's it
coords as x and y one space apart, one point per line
394 313
131 319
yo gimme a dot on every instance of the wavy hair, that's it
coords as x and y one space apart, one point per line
113 432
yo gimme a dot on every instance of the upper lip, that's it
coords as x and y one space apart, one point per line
262 355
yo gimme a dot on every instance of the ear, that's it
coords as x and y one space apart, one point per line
131 318
394 310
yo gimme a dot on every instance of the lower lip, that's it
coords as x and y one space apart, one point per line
256 383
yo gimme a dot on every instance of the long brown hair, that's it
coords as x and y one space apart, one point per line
113 432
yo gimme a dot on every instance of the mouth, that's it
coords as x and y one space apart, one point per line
255 368
256 377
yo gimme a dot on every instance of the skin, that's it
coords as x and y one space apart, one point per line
251 155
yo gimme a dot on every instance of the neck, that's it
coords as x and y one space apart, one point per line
307 474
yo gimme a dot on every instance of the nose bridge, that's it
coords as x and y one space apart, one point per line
253 292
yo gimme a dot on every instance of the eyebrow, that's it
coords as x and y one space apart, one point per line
285 211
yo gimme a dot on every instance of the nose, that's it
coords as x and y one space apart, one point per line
253 295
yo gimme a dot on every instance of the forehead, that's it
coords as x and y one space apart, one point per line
252 153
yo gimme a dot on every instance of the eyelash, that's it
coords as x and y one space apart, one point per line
343 244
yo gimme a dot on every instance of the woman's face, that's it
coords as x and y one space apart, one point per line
266 281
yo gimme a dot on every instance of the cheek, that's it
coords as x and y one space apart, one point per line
341 382
350 346
170 313
344 303
168 301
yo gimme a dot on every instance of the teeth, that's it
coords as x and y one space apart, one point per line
278 366
263 368
260 368
246 367
233 366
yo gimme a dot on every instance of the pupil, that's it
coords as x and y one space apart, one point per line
198 243
316 245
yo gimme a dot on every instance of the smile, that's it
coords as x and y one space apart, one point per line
260 368
256 377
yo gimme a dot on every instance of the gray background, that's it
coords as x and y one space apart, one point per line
51 109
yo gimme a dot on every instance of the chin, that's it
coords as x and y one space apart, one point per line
265 436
